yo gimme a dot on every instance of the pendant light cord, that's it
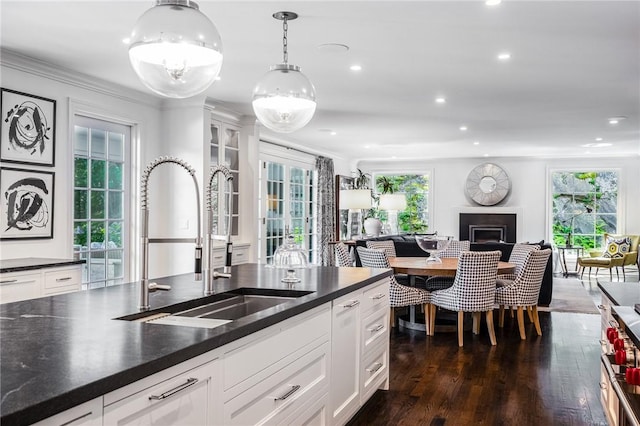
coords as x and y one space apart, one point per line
285 53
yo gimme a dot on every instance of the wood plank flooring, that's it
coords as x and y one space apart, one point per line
547 380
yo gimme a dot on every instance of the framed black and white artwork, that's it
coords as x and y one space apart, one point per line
27 204
28 128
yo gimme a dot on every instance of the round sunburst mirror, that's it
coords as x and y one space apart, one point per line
487 184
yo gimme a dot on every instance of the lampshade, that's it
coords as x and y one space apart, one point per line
175 49
395 201
354 199
284 100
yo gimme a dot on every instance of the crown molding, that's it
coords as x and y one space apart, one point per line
19 62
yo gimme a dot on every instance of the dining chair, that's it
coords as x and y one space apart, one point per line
517 257
387 246
523 291
399 295
455 248
343 257
473 290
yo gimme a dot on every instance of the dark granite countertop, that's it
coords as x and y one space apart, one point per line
621 293
30 263
60 351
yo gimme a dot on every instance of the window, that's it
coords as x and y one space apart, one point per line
415 218
224 149
286 201
100 200
585 205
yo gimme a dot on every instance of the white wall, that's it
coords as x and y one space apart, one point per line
529 190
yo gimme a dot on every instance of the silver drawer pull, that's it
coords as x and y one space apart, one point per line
218 257
601 306
291 391
603 342
377 366
17 282
376 328
190 382
239 254
378 296
9 281
72 421
63 279
614 323
603 385
351 304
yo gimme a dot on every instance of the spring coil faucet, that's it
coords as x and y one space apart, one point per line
145 286
211 275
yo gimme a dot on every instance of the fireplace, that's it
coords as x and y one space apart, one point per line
488 227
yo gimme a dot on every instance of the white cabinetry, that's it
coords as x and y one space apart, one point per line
360 349
87 414
24 285
239 255
186 398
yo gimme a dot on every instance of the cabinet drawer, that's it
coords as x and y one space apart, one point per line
218 255
375 328
376 297
62 280
316 413
262 355
87 414
375 370
20 286
276 397
240 255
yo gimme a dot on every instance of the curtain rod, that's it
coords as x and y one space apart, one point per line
291 148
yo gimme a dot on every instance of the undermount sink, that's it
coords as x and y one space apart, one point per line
219 309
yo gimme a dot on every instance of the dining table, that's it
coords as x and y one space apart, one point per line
418 266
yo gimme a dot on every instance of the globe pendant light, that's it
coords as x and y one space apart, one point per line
175 49
284 100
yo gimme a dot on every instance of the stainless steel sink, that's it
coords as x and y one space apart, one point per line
219 309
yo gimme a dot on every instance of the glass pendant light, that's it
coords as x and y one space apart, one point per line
284 100
175 49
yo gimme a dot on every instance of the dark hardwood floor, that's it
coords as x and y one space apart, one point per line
547 380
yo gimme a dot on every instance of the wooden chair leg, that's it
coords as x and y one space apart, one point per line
589 272
529 314
617 274
477 316
501 317
536 320
492 331
523 336
624 277
432 318
392 317
511 311
427 318
460 327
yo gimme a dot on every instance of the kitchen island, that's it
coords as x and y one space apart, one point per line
61 351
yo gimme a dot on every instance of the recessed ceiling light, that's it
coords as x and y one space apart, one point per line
333 48
486 155
476 143
440 100
126 40
333 133
616 120
492 2
597 145
367 146
218 78
504 56
598 139
463 128
355 68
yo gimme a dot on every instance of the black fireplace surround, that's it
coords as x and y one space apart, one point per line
487 227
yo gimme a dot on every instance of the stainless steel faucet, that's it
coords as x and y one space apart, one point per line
145 286
211 274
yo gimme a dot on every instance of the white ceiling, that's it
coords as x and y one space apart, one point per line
574 64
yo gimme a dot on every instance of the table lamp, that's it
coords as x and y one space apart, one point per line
355 200
393 203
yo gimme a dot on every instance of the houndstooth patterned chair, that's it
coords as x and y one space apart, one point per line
343 257
517 257
473 290
523 291
387 246
399 295
455 248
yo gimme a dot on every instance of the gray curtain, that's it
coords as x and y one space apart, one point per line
326 202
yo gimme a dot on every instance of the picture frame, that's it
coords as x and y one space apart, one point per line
27 128
26 208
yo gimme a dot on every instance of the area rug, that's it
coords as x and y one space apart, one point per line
569 295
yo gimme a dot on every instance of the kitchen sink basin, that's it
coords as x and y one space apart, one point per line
219 309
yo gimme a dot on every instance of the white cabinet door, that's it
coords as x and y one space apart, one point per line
182 400
87 414
18 286
345 357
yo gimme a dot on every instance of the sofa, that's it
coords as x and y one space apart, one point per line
406 246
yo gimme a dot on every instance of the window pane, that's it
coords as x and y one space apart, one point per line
97 173
97 266
115 205
97 204
97 235
231 159
115 175
214 154
114 235
114 264
81 141
80 204
80 172
98 143
80 235
116 146
232 138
